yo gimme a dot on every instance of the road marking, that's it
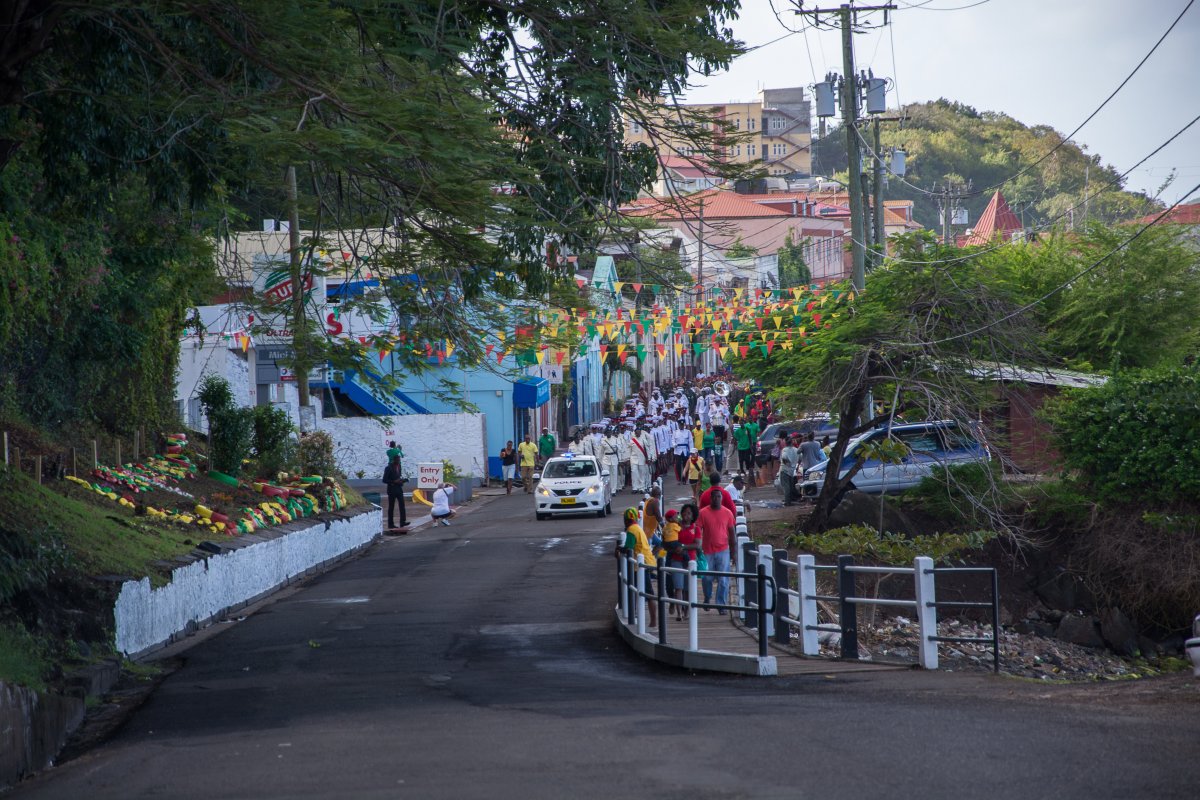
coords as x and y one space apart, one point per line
543 628
338 600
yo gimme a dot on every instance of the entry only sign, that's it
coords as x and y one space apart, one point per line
429 475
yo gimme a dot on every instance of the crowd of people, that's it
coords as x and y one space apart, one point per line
686 431
703 530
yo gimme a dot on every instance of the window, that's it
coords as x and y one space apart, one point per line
635 127
737 123
751 123
570 469
737 150
776 123
750 148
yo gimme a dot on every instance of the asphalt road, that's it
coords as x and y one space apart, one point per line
478 661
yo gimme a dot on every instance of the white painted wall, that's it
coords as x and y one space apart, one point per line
146 617
358 442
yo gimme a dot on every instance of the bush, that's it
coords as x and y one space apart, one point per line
965 493
272 438
214 394
316 454
230 437
862 541
1136 438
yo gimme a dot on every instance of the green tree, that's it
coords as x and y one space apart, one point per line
916 341
176 121
793 271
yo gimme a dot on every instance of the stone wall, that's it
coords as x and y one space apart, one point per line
254 566
359 442
34 726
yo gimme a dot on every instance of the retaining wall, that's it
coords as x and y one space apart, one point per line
252 567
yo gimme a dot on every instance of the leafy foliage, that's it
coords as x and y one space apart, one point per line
863 541
792 269
231 438
964 493
272 436
1136 438
950 140
315 454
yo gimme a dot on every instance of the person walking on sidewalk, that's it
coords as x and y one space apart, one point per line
527 454
508 465
394 479
716 526
546 446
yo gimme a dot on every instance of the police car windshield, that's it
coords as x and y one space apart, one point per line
569 469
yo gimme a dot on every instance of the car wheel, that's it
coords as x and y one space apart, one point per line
607 509
600 513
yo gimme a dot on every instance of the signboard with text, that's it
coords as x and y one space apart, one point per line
429 475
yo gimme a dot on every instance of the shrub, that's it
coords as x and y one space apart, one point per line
230 437
970 493
1135 438
272 438
315 454
863 541
214 394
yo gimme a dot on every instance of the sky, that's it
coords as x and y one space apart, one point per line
1043 62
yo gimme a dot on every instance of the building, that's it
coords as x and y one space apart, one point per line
774 130
996 224
734 240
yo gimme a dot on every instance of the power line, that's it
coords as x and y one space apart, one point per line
1049 223
1099 108
925 6
1090 268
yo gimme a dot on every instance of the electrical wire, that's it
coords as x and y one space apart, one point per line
1066 139
1053 220
924 6
1086 270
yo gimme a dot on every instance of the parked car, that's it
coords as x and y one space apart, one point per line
820 424
572 484
929 444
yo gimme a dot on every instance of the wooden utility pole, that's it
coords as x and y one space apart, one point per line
850 86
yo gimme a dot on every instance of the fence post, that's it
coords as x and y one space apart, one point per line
766 556
783 632
749 557
37 468
17 458
737 563
810 642
630 585
995 621
74 464
117 443
640 572
95 454
761 593
693 612
662 602
848 612
137 445
621 599
924 591
6 448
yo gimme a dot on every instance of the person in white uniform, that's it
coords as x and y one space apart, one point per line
642 456
609 458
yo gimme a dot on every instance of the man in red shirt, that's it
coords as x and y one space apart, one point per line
716 526
714 481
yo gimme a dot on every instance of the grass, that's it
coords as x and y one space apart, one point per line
102 537
22 658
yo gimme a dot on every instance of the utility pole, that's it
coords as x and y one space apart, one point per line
880 237
300 355
856 189
850 123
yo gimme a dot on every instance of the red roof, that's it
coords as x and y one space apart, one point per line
718 204
1180 215
685 167
997 220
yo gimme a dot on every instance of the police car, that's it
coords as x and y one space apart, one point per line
572 484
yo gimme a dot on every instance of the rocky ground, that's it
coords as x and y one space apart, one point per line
1042 644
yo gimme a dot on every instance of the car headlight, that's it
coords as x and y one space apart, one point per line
593 489
543 491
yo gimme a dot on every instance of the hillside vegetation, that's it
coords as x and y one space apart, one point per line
946 140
